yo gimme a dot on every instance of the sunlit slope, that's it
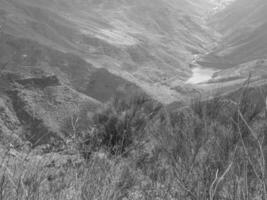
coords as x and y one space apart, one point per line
244 28
149 43
241 53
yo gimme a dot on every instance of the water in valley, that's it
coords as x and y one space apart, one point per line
200 75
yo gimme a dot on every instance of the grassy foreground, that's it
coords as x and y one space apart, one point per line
137 149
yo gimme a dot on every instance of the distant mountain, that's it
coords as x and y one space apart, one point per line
149 43
242 50
243 25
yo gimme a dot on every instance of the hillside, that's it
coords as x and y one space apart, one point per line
245 41
133 100
148 44
241 51
171 51
41 88
60 56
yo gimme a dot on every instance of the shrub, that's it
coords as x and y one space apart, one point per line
120 124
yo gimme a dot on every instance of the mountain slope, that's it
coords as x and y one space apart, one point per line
149 43
95 49
242 50
243 25
43 87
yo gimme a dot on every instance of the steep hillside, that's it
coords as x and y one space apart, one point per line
41 88
149 43
243 25
242 49
59 49
133 99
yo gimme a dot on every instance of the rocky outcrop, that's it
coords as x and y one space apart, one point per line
41 82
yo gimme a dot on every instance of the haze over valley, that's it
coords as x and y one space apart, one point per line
152 87
148 44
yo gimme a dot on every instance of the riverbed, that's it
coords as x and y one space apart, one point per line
200 75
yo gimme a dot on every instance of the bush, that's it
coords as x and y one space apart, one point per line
120 124
210 150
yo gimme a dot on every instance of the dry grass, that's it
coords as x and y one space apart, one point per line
135 149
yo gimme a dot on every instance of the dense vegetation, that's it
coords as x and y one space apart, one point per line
138 149
63 138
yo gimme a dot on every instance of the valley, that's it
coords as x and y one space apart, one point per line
171 51
141 42
133 100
